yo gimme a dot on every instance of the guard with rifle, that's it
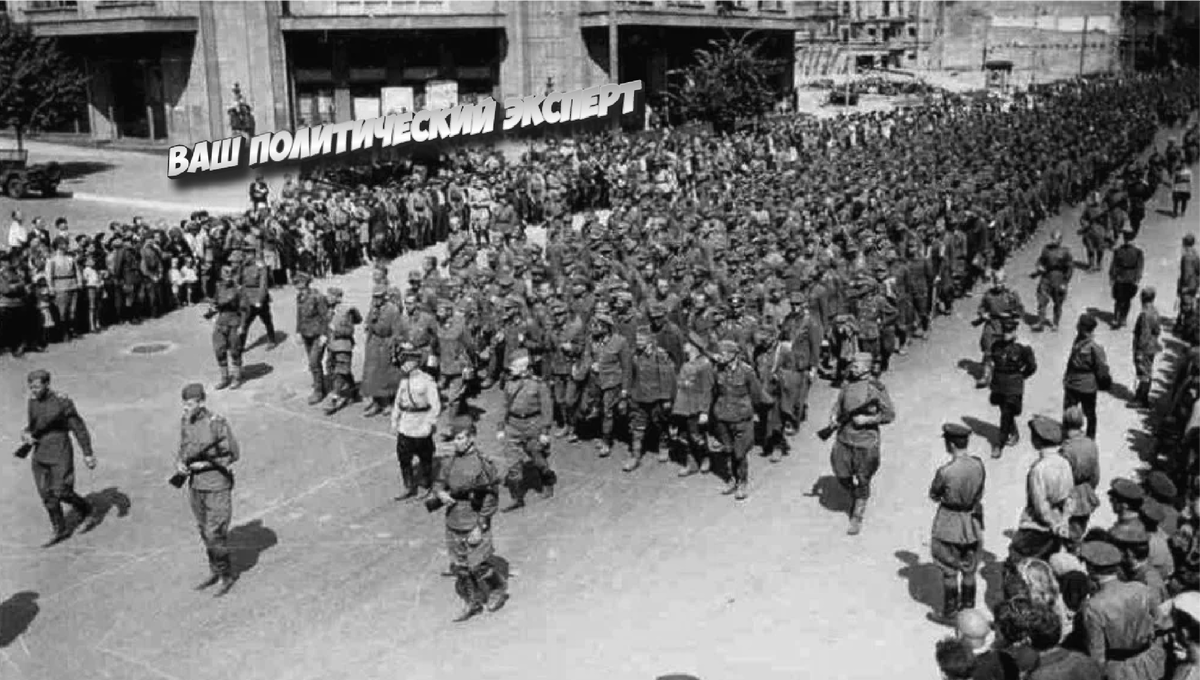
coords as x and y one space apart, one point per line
206 450
999 302
957 535
1054 269
861 407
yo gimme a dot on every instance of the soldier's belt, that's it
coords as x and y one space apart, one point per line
958 508
415 409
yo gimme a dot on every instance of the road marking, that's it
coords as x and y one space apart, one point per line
324 423
132 661
183 208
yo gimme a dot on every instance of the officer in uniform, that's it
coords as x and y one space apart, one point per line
467 485
1125 275
414 417
312 324
861 407
609 359
957 536
652 383
51 422
1087 372
1084 458
737 390
256 301
1146 332
342 320
999 303
1055 266
528 416
1048 485
226 337
207 448
1119 618
1012 363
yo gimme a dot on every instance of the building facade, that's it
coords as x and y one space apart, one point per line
166 69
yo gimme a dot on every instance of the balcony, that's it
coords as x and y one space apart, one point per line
747 14
328 15
108 17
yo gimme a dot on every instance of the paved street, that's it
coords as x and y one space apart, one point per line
620 576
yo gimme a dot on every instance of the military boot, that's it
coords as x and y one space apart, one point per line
518 498
469 591
856 517
335 405
237 378
949 605
317 396
635 459
58 524
225 380
968 595
549 479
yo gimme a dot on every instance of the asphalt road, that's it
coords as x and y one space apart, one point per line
619 576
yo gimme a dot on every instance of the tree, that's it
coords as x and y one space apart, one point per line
730 81
39 85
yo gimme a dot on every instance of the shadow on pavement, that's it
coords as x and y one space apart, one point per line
248 542
986 431
16 613
80 169
972 367
831 494
103 502
1164 212
256 371
924 579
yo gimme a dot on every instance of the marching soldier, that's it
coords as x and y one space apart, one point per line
565 343
342 320
999 302
467 486
415 414
1055 267
207 448
1146 332
957 537
774 364
1012 364
737 390
256 301
1087 372
1093 227
692 404
455 365
312 325
1125 275
805 336
652 383
528 416
610 366
51 422
861 407
1186 288
1083 456
226 337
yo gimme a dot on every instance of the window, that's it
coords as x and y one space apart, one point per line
912 31
53 4
887 8
771 6
871 32
846 11
845 35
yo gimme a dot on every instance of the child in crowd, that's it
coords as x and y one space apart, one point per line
191 280
175 276
93 284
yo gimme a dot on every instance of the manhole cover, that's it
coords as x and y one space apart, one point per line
150 348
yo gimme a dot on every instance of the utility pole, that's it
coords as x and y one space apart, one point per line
1083 45
614 64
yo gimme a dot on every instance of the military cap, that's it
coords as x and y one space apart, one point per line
1101 554
518 356
301 278
193 391
40 375
1009 323
727 347
1087 323
797 297
1126 489
1160 486
956 432
505 280
460 424
1154 511
406 350
236 256
1129 533
604 319
414 275
445 303
380 290
656 310
1063 562
1046 429
335 292
1188 603
644 330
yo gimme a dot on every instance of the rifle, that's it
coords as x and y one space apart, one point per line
176 480
829 430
